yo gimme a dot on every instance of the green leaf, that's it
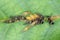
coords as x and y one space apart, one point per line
39 32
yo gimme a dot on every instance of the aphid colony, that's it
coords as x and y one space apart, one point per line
32 19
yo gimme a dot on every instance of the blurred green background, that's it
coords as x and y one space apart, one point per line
39 32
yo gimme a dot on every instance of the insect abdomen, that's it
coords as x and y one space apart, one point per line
14 19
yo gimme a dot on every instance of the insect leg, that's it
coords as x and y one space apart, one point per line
29 26
26 13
